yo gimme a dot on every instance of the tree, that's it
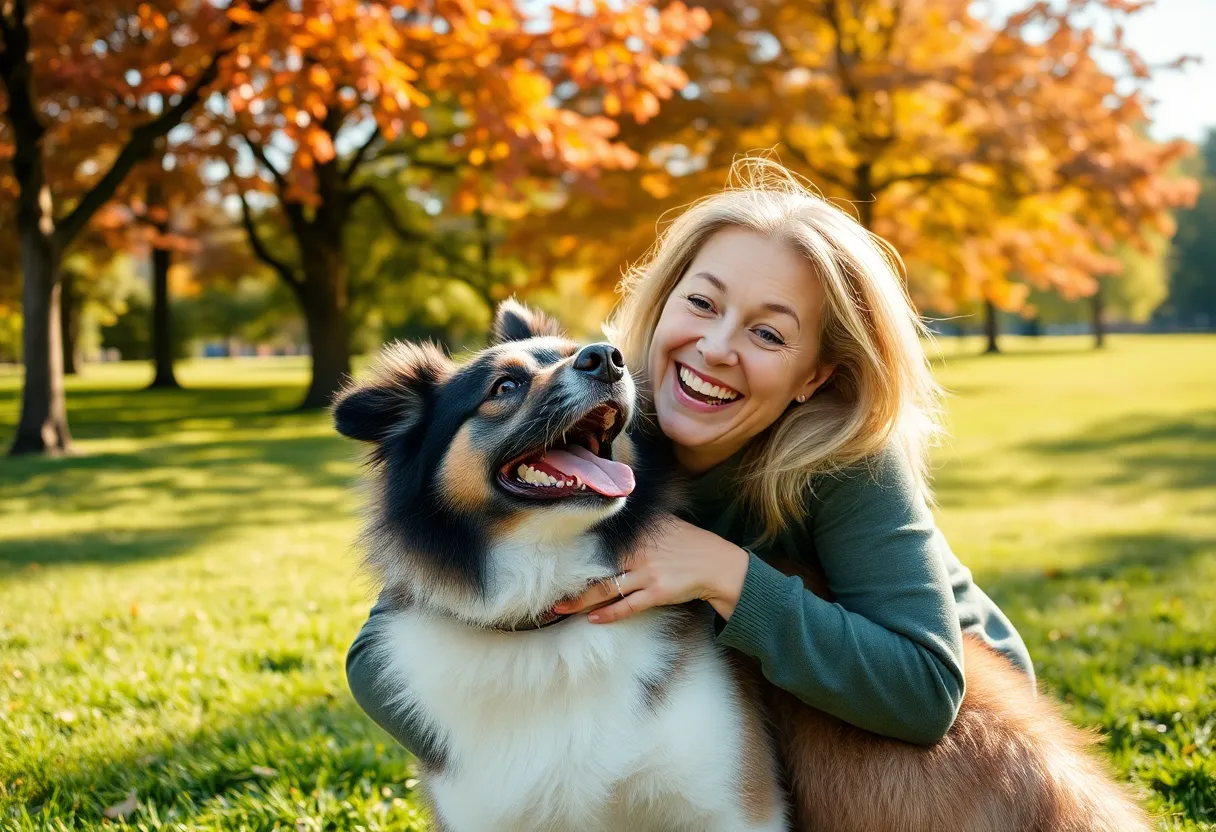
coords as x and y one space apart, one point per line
74 77
994 157
474 95
1192 283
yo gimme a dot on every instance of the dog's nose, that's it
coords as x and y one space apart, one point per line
602 362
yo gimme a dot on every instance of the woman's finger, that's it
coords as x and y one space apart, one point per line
598 594
633 602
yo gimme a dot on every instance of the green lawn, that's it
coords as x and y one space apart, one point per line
177 600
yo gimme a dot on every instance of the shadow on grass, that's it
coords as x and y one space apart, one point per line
250 764
1183 450
273 473
32 554
1144 557
215 458
1153 452
131 413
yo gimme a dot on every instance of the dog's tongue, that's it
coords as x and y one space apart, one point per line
612 479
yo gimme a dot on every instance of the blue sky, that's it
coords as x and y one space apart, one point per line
1186 99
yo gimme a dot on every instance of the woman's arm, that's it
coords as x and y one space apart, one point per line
886 655
363 674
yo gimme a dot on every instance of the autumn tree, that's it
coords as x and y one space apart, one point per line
995 157
75 79
324 92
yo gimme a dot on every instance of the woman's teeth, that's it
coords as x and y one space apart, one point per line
695 382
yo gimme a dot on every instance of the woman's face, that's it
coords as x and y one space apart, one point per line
737 342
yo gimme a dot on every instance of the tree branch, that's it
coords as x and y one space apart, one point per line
259 153
143 140
293 210
259 247
390 216
929 177
415 162
357 159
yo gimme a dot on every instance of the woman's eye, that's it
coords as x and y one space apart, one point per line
700 303
770 336
505 385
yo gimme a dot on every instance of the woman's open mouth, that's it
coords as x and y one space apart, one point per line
701 390
578 465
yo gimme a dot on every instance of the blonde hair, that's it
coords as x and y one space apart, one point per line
882 392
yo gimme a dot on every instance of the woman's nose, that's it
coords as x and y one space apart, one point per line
716 347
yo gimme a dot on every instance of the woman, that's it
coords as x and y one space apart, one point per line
784 361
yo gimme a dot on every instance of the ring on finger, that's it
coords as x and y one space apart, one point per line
616 579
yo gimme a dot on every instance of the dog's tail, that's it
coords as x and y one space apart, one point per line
1010 763
1050 763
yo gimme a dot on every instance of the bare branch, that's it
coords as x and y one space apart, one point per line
390 215
259 247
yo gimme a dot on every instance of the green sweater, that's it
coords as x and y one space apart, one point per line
885 655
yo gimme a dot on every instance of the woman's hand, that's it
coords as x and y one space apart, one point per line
675 563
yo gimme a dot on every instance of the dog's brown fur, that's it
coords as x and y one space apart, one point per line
1010 763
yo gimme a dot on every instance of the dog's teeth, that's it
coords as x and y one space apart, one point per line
522 472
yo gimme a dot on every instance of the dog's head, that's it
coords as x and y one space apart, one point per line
500 484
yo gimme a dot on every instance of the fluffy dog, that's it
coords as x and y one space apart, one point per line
499 487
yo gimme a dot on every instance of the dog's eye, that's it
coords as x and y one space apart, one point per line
505 385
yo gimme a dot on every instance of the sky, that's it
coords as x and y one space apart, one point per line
1186 99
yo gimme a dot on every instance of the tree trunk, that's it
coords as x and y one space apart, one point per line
1098 303
43 426
992 324
70 304
162 337
324 299
864 193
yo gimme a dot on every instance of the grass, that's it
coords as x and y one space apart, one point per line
177 600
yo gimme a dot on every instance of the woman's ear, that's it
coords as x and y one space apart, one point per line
823 372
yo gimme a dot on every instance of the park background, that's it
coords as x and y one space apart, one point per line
216 211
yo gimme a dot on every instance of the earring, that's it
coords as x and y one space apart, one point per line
801 399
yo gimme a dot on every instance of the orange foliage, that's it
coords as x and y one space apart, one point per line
311 69
991 156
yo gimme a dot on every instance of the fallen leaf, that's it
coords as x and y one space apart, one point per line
121 810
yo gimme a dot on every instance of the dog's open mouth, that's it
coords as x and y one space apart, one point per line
579 464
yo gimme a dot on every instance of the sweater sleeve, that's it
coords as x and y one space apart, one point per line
887 654
376 699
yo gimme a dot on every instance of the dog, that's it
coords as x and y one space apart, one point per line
507 483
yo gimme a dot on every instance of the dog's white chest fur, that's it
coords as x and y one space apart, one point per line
553 729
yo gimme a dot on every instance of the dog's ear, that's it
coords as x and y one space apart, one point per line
515 322
393 401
